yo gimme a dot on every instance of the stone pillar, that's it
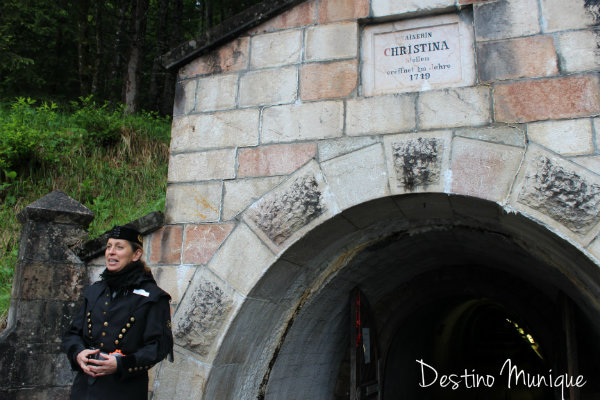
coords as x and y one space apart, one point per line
48 282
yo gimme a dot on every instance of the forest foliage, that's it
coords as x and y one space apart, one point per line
85 105
65 49
111 161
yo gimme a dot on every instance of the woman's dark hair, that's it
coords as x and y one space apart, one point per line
136 246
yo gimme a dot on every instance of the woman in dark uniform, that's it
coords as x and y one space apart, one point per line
123 327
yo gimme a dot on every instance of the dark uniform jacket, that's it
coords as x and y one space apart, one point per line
135 321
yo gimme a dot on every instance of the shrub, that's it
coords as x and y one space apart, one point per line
113 163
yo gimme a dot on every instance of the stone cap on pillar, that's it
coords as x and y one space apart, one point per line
57 207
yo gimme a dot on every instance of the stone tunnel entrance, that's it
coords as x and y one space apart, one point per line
462 286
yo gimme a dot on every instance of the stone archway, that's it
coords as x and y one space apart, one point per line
279 145
290 336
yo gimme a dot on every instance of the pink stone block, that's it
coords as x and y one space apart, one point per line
327 81
570 97
230 57
482 169
278 159
165 245
301 15
339 10
533 56
202 241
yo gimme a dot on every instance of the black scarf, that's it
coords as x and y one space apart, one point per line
126 278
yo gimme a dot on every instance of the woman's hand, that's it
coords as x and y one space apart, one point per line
93 367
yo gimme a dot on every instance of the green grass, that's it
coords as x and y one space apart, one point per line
112 162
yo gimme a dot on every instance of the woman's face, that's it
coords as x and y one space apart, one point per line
119 253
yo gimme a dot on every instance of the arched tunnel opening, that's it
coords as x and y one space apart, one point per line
456 306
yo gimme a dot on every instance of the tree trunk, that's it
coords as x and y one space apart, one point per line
161 48
166 106
208 15
132 73
82 45
115 86
99 51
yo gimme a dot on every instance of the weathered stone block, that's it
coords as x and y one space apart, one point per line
505 134
556 190
332 148
559 15
331 41
43 241
43 321
454 108
294 207
280 283
382 114
590 162
564 195
306 121
484 170
193 203
174 280
185 97
217 130
186 377
417 208
568 137
39 281
358 176
275 49
202 241
269 86
516 58
279 217
578 51
242 259
326 81
300 15
383 209
491 19
202 166
280 159
239 194
594 248
383 8
203 313
417 161
569 97
230 57
165 245
596 123
216 92
339 10
59 209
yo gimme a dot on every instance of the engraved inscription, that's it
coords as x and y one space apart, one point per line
413 58
416 55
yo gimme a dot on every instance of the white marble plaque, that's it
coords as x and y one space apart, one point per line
417 54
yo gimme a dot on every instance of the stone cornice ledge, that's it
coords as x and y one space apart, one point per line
226 31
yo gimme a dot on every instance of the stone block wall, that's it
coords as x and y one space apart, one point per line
273 135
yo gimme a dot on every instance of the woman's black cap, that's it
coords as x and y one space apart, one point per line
127 233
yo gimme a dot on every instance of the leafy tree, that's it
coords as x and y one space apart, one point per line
67 49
